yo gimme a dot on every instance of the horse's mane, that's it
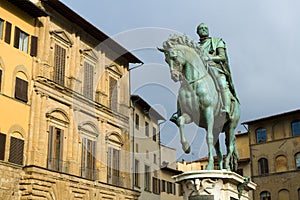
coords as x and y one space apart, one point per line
183 40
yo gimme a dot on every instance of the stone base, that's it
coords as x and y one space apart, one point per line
214 185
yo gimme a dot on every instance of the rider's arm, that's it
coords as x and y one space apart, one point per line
220 55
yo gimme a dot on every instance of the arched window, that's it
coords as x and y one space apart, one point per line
296 128
16 148
263 166
297 160
261 135
21 87
280 164
89 133
265 195
283 194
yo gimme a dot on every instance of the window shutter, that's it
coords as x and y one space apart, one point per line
7 32
59 64
0 79
61 150
17 37
88 80
33 47
50 147
21 90
113 93
109 161
16 151
2 145
94 159
83 161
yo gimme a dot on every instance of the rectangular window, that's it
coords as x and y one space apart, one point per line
21 40
169 188
113 93
137 121
163 186
113 175
154 134
147 178
59 64
21 90
16 151
261 135
2 145
88 158
155 185
55 149
147 129
88 82
1 28
154 158
7 32
136 173
296 128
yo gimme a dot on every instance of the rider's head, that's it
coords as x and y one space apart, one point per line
202 30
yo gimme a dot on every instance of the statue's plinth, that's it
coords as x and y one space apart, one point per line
214 185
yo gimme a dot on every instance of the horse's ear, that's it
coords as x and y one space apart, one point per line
161 50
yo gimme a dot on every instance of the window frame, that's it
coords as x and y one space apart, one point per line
2 146
147 129
136 173
261 135
137 121
263 166
16 151
154 134
295 125
21 89
147 178
265 195
1 28
88 79
55 148
88 162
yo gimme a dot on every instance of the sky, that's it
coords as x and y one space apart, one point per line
262 40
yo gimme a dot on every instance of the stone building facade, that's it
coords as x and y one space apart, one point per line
275 155
153 164
17 51
65 92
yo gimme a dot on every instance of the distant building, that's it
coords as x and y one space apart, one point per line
275 155
153 164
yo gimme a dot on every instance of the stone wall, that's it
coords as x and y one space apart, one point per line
9 181
40 183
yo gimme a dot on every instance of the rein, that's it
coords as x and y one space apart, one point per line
198 79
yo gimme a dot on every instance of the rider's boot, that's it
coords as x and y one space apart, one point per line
226 101
174 118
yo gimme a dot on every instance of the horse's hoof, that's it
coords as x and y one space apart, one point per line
209 167
186 147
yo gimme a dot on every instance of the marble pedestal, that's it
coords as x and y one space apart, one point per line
214 185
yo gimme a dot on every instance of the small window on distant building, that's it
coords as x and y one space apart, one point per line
265 195
147 129
136 173
297 160
154 158
263 168
137 121
154 134
261 135
296 128
147 178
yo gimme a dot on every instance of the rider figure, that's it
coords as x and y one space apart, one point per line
218 64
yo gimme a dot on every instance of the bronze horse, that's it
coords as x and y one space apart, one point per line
199 100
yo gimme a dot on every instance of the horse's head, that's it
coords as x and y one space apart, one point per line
176 62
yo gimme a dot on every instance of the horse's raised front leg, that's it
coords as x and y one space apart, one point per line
184 119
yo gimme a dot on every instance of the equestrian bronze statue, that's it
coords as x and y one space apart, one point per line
200 98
